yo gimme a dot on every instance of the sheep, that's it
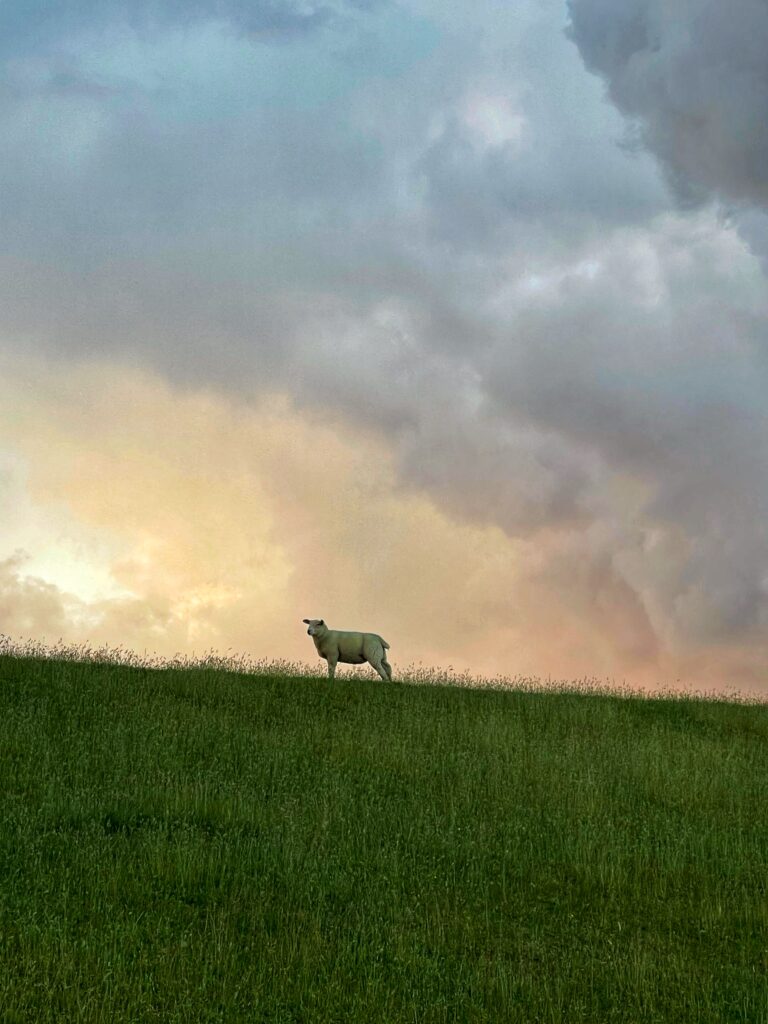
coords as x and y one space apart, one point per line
350 648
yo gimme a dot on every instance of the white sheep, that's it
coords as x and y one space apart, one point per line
350 648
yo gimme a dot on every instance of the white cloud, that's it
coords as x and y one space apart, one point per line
492 121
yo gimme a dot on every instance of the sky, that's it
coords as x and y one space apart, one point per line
442 320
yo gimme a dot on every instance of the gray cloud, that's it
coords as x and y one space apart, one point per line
694 78
664 389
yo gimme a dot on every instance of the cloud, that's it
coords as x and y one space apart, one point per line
693 77
224 532
660 380
29 26
430 242
32 607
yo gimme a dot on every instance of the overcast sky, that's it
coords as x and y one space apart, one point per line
444 320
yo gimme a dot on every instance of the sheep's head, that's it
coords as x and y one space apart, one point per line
316 626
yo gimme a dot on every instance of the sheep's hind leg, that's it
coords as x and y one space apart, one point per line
377 663
387 667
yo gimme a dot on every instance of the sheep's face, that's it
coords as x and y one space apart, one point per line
316 626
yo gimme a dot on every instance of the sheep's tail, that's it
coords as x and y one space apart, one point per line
384 642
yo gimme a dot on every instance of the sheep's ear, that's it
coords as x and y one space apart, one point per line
305 620
322 622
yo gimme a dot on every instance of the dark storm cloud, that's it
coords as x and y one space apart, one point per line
694 76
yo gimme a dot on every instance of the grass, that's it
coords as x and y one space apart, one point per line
196 845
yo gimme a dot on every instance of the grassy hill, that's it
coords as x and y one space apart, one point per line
193 846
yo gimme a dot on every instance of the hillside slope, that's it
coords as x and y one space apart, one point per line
200 846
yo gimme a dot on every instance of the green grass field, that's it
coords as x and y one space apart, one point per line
195 845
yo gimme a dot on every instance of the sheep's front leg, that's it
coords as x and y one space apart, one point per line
331 668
